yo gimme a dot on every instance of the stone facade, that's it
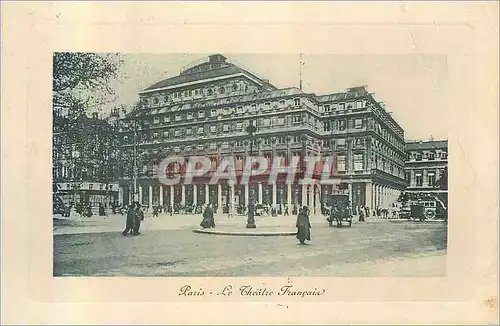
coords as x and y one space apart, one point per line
205 111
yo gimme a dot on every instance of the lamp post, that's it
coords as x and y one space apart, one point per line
75 155
296 193
136 191
251 129
281 202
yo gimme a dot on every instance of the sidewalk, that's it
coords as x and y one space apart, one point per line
116 222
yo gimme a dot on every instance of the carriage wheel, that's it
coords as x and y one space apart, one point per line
430 214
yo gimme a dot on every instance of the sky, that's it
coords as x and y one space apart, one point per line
413 87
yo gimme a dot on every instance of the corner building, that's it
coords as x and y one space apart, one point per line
206 109
426 162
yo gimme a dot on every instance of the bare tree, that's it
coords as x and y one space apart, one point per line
82 80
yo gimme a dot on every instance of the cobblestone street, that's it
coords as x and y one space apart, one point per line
168 246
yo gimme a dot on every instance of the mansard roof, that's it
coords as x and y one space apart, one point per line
352 93
426 145
216 66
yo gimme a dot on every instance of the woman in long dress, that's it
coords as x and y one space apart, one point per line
303 226
208 218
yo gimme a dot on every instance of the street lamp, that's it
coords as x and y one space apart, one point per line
251 129
136 191
296 193
75 155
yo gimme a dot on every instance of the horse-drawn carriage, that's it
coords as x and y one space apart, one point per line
339 210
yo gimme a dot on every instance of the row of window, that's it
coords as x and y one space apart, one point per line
417 156
385 164
341 125
253 108
326 108
198 92
387 151
419 179
361 104
358 160
341 161
388 136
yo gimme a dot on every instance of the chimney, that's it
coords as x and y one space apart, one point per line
95 115
217 58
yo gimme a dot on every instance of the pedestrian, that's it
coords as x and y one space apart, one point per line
208 218
303 226
155 211
89 211
101 209
361 215
139 216
129 227
333 214
286 211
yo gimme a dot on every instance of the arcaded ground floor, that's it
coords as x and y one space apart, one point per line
361 194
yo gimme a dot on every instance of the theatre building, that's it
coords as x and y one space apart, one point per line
206 110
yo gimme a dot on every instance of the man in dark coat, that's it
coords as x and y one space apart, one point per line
130 220
139 216
303 226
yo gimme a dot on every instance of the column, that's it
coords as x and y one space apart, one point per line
246 195
140 195
349 187
150 197
368 195
120 195
374 190
171 197
383 197
130 196
207 195
274 200
231 202
183 195
161 195
310 197
304 194
377 196
260 193
289 196
219 198
317 204
195 195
